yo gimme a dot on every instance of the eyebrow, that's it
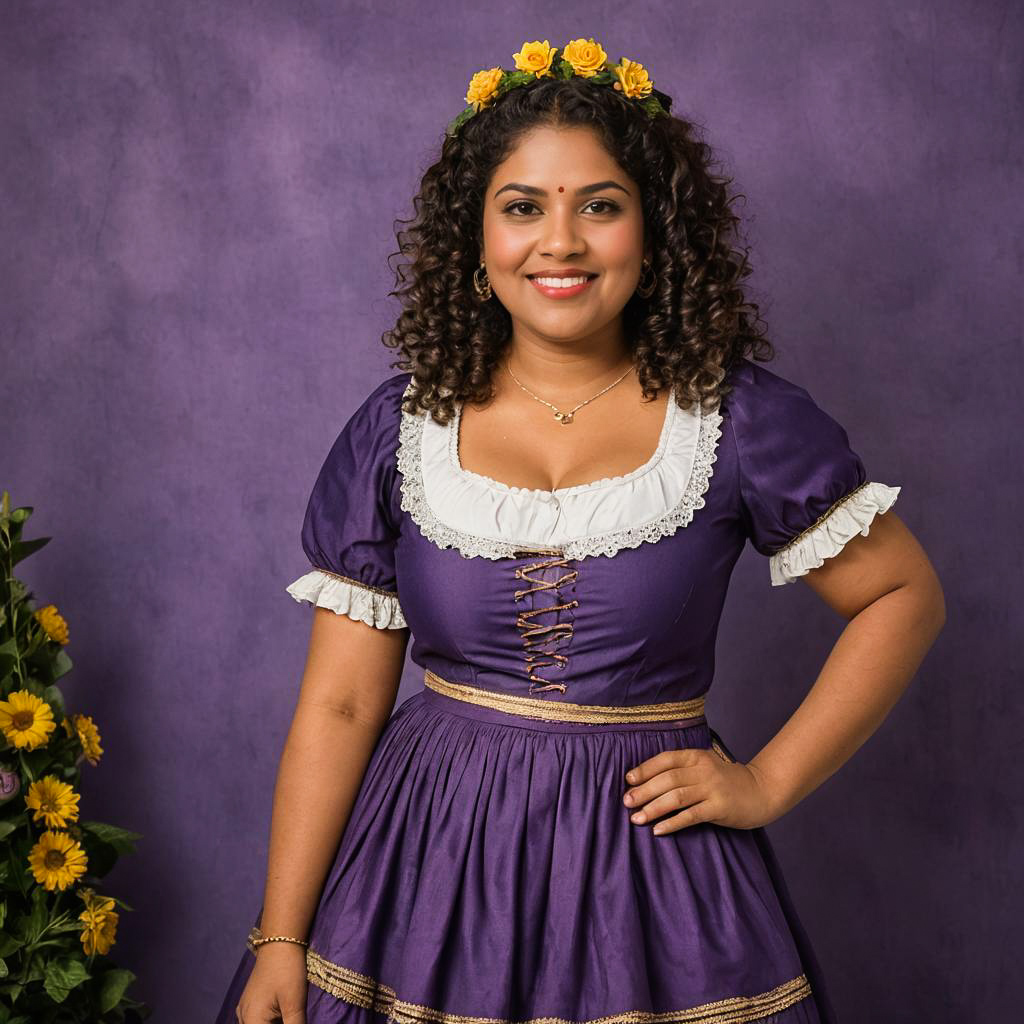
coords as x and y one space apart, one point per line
584 190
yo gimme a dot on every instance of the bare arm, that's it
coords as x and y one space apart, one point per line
347 694
884 584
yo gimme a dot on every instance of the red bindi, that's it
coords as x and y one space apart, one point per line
561 188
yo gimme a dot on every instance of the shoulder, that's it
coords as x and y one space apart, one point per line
374 424
383 404
754 385
762 401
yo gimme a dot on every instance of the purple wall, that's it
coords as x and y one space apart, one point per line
197 209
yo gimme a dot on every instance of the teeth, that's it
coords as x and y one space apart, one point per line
560 282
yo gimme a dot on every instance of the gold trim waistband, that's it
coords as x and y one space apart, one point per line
563 711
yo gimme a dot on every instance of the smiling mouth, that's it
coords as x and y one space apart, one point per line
556 287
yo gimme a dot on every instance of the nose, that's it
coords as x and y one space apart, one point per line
561 237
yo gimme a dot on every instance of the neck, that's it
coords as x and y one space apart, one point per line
560 368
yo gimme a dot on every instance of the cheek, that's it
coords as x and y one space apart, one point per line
506 248
622 246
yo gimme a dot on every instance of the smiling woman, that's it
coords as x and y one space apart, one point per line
550 499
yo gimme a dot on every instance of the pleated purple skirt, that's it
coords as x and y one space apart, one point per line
489 872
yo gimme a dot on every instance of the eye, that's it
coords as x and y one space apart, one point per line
517 203
612 207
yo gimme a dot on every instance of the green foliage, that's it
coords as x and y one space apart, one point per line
46 975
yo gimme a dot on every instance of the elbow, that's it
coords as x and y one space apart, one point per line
933 602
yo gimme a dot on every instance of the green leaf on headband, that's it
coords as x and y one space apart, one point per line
512 79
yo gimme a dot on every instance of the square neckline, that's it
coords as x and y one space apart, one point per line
455 461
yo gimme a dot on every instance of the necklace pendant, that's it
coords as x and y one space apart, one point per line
564 417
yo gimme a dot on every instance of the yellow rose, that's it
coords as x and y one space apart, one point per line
585 56
632 79
482 87
53 623
535 57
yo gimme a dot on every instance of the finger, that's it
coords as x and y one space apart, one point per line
661 761
694 815
636 796
671 800
690 767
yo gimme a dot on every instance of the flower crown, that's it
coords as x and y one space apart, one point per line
581 57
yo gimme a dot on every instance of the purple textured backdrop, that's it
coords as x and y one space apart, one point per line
198 203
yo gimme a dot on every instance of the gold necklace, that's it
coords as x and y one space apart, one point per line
565 417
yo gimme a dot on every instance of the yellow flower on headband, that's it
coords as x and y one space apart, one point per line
586 57
581 57
482 87
632 79
535 57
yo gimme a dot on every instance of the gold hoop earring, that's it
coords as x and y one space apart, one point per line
482 287
645 291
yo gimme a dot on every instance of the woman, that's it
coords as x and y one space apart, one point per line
550 498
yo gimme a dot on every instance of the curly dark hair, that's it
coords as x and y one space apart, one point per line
690 331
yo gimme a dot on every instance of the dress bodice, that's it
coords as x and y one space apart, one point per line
605 593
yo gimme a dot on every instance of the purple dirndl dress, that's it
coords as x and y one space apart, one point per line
489 872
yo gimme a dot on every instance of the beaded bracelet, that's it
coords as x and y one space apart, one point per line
257 938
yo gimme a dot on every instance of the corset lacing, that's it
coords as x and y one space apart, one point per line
542 640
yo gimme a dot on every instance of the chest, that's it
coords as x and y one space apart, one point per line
524 444
643 556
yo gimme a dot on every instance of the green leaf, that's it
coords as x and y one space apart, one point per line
23 548
112 987
120 839
61 975
62 664
9 944
53 695
40 913
6 828
11 990
8 655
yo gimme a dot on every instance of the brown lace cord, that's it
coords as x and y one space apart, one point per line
541 640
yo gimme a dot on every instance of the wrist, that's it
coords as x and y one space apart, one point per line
259 939
777 797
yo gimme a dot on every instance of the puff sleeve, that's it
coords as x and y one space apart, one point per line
348 534
804 492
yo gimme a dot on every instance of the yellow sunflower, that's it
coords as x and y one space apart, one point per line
26 720
53 623
100 925
57 860
55 803
88 736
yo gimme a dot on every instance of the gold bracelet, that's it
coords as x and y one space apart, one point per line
257 939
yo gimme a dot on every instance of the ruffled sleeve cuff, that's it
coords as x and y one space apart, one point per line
828 536
346 596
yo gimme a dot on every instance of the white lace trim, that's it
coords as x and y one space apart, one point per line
485 518
349 597
851 516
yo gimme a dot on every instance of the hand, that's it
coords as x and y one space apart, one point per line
276 989
707 787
